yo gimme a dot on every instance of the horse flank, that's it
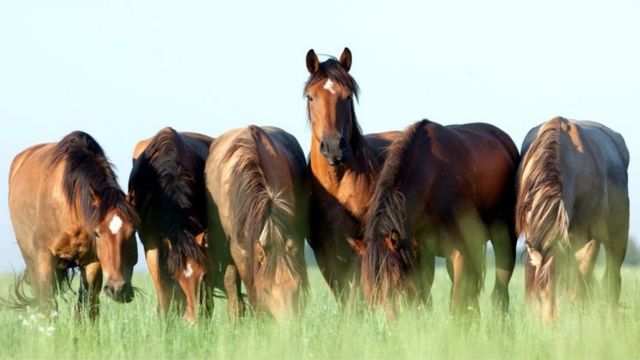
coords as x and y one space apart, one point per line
173 205
88 176
540 214
258 212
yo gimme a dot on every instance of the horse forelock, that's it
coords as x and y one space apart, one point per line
89 180
332 70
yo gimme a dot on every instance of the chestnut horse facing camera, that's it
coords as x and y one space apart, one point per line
68 211
256 178
443 191
572 197
167 188
344 167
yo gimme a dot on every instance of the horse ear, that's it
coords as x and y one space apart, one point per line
345 59
358 245
202 239
393 241
535 258
312 61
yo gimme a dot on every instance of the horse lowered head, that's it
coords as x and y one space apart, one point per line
117 252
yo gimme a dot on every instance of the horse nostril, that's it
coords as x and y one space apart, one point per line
108 290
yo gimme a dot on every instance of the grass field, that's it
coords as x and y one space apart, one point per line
323 331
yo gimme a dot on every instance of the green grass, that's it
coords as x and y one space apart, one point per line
323 331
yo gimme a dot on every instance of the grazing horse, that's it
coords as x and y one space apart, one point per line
68 211
256 178
344 166
443 191
167 188
572 197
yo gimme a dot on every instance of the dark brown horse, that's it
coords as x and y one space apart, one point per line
572 197
344 166
256 178
68 211
443 191
167 187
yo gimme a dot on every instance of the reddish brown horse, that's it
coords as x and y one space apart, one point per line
68 211
256 178
344 166
167 187
572 197
444 190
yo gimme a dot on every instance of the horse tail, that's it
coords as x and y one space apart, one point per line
541 216
258 212
18 299
389 256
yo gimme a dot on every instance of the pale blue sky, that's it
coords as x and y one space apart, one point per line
121 70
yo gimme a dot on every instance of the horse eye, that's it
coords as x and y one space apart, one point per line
309 98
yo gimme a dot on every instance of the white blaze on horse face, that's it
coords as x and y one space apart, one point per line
329 86
188 271
115 224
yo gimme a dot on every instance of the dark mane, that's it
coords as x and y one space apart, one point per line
88 175
258 212
540 215
388 214
167 184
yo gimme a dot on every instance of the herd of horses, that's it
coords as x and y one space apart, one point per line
213 214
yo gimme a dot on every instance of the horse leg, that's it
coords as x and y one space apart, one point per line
44 281
153 262
235 305
586 259
503 239
615 250
88 294
428 264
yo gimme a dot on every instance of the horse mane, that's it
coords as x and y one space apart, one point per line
169 190
388 213
258 212
88 175
540 212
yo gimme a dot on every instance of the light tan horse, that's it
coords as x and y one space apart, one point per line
256 177
167 187
68 211
344 167
572 197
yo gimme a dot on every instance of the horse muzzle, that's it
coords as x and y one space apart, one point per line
336 151
119 291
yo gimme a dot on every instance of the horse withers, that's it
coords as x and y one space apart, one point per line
572 197
68 211
167 188
344 166
257 183
443 191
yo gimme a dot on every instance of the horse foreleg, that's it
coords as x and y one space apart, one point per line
88 295
153 262
235 305
504 241
464 293
615 256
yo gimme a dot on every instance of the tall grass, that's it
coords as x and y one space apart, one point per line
324 331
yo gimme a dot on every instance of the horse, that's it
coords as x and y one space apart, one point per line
68 211
443 191
167 188
344 165
258 207
572 197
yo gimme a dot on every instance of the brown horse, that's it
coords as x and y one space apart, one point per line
167 188
256 178
68 211
443 191
572 197
344 166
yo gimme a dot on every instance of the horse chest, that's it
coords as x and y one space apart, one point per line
73 247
